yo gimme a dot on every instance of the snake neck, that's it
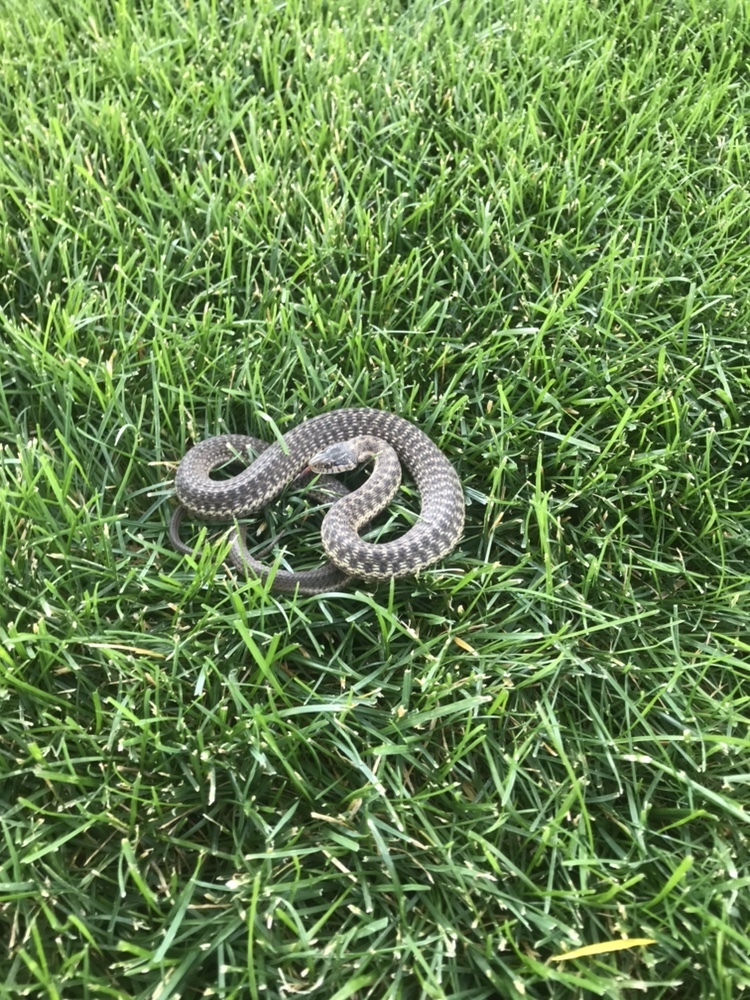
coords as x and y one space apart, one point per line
373 496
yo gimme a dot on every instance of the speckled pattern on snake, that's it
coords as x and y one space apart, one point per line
433 536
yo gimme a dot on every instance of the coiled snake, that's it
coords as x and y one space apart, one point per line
331 442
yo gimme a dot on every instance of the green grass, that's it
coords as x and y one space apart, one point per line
523 226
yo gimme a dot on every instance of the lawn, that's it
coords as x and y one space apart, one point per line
526 228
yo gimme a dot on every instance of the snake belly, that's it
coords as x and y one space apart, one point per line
433 536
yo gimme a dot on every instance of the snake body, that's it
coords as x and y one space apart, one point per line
434 535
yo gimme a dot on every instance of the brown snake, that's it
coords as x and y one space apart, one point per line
332 442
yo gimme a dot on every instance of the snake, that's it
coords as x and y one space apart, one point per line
327 444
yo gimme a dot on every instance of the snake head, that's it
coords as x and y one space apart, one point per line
339 457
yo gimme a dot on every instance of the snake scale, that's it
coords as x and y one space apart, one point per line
331 442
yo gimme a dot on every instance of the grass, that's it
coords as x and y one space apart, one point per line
524 226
